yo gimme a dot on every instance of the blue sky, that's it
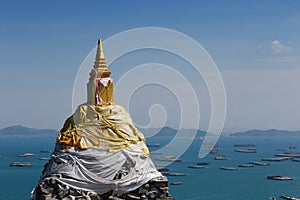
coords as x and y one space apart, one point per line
255 44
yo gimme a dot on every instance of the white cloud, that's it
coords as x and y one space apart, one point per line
278 47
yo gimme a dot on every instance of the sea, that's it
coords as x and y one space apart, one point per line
209 183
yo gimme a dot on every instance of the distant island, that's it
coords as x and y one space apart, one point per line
22 131
170 132
270 132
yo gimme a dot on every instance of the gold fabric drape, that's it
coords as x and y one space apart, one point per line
106 125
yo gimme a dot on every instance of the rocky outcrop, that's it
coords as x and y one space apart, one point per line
155 189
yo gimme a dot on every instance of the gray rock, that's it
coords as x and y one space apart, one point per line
50 189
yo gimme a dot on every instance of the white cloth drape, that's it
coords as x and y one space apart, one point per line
94 169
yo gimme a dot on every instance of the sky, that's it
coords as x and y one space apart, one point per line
255 45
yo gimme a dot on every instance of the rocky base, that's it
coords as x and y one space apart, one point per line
156 189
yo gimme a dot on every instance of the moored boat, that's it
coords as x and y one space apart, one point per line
176 174
44 158
280 178
169 159
245 145
215 150
246 150
246 165
26 155
196 166
21 164
292 147
229 168
259 163
289 197
276 159
221 157
176 183
289 154
163 169
203 163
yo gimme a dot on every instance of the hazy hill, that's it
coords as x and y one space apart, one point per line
21 131
169 132
270 132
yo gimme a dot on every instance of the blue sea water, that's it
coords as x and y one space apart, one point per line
209 183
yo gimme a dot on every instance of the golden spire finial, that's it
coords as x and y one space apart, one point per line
100 61
100 86
100 68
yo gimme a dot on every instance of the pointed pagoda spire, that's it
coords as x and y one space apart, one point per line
100 61
100 69
100 85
